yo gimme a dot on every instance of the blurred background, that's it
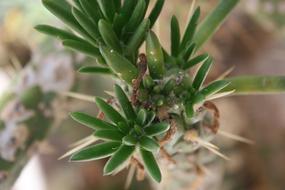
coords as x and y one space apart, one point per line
252 41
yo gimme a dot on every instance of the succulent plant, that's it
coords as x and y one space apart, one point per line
154 80
137 129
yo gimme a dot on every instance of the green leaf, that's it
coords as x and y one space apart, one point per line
189 50
85 48
175 36
141 118
119 64
124 127
87 24
109 36
155 12
109 111
252 85
213 21
138 37
118 5
64 14
150 117
125 103
120 157
157 129
196 60
78 4
190 29
155 58
92 9
109 135
123 17
91 122
149 144
108 9
94 70
129 140
189 110
95 152
151 165
56 32
202 73
136 18
214 87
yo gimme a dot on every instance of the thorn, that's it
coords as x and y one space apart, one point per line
79 96
191 10
217 153
79 147
81 141
130 176
226 73
220 95
236 137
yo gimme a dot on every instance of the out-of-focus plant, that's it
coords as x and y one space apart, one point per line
161 106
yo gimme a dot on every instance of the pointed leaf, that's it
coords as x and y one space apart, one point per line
92 9
136 18
157 129
95 152
252 85
119 64
118 159
196 60
108 9
189 50
151 165
85 48
175 36
149 144
91 122
155 58
64 14
125 103
202 73
190 30
213 21
109 36
109 111
138 37
129 140
214 87
56 32
109 135
155 12
141 118
94 70
150 117
87 24
189 110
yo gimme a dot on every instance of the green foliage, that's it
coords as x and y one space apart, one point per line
113 31
123 134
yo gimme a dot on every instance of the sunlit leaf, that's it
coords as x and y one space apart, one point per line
95 152
151 165
90 121
118 159
202 73
125 103
109 111
157 129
